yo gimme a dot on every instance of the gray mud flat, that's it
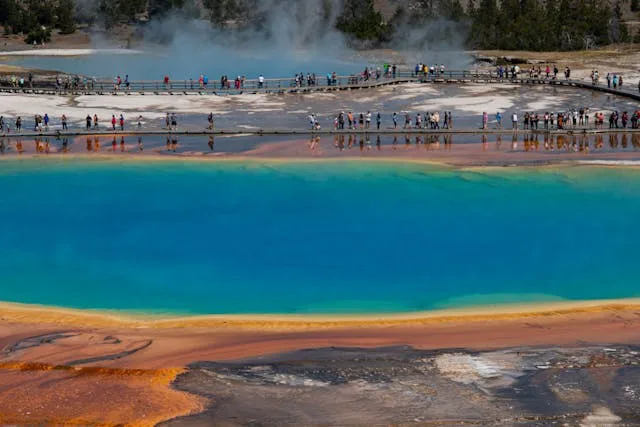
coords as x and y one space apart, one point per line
591 385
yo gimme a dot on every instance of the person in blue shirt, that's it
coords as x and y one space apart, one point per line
499 120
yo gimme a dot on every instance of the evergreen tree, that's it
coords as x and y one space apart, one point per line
361 20
65 12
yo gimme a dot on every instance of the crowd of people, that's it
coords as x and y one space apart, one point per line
574 118
349 120
570 119
42 122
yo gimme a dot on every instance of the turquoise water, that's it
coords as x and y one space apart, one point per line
315 237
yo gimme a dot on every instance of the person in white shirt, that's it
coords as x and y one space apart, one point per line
261 81
514 120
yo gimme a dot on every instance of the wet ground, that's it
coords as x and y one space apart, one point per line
586 385
463 149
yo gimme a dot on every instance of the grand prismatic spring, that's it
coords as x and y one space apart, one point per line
312 237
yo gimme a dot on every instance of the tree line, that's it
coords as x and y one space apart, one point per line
482 24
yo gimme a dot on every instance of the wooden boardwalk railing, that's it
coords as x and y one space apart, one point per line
289 85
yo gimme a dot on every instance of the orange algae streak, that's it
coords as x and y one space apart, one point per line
156 376
39 393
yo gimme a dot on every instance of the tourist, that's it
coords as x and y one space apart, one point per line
139 121
581 113
498 120
546 120
64 122
210 121
121 122
615 81
485 119
174 121
167 121
620 82
261 81
407 120
586 117
95 121
166 82
361 121
445 124
514 121
436 120
378 120
394 117
88 119
368 120
449 119
46 121
126 82
609 80
113 122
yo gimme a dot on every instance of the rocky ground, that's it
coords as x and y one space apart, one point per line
588 385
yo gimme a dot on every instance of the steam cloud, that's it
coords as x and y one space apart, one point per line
292 36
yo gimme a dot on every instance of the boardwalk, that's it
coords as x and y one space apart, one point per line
260 132
288 85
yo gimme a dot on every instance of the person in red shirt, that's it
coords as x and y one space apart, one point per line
121 122
113 122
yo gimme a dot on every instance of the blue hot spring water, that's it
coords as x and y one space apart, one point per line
312 237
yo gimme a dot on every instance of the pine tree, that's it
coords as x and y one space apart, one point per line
361 20
65 13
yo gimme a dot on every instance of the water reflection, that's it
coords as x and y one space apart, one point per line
328 144
523 142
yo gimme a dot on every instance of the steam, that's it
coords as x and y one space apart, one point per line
278 38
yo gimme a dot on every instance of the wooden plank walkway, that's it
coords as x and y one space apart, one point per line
287 85
322 132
